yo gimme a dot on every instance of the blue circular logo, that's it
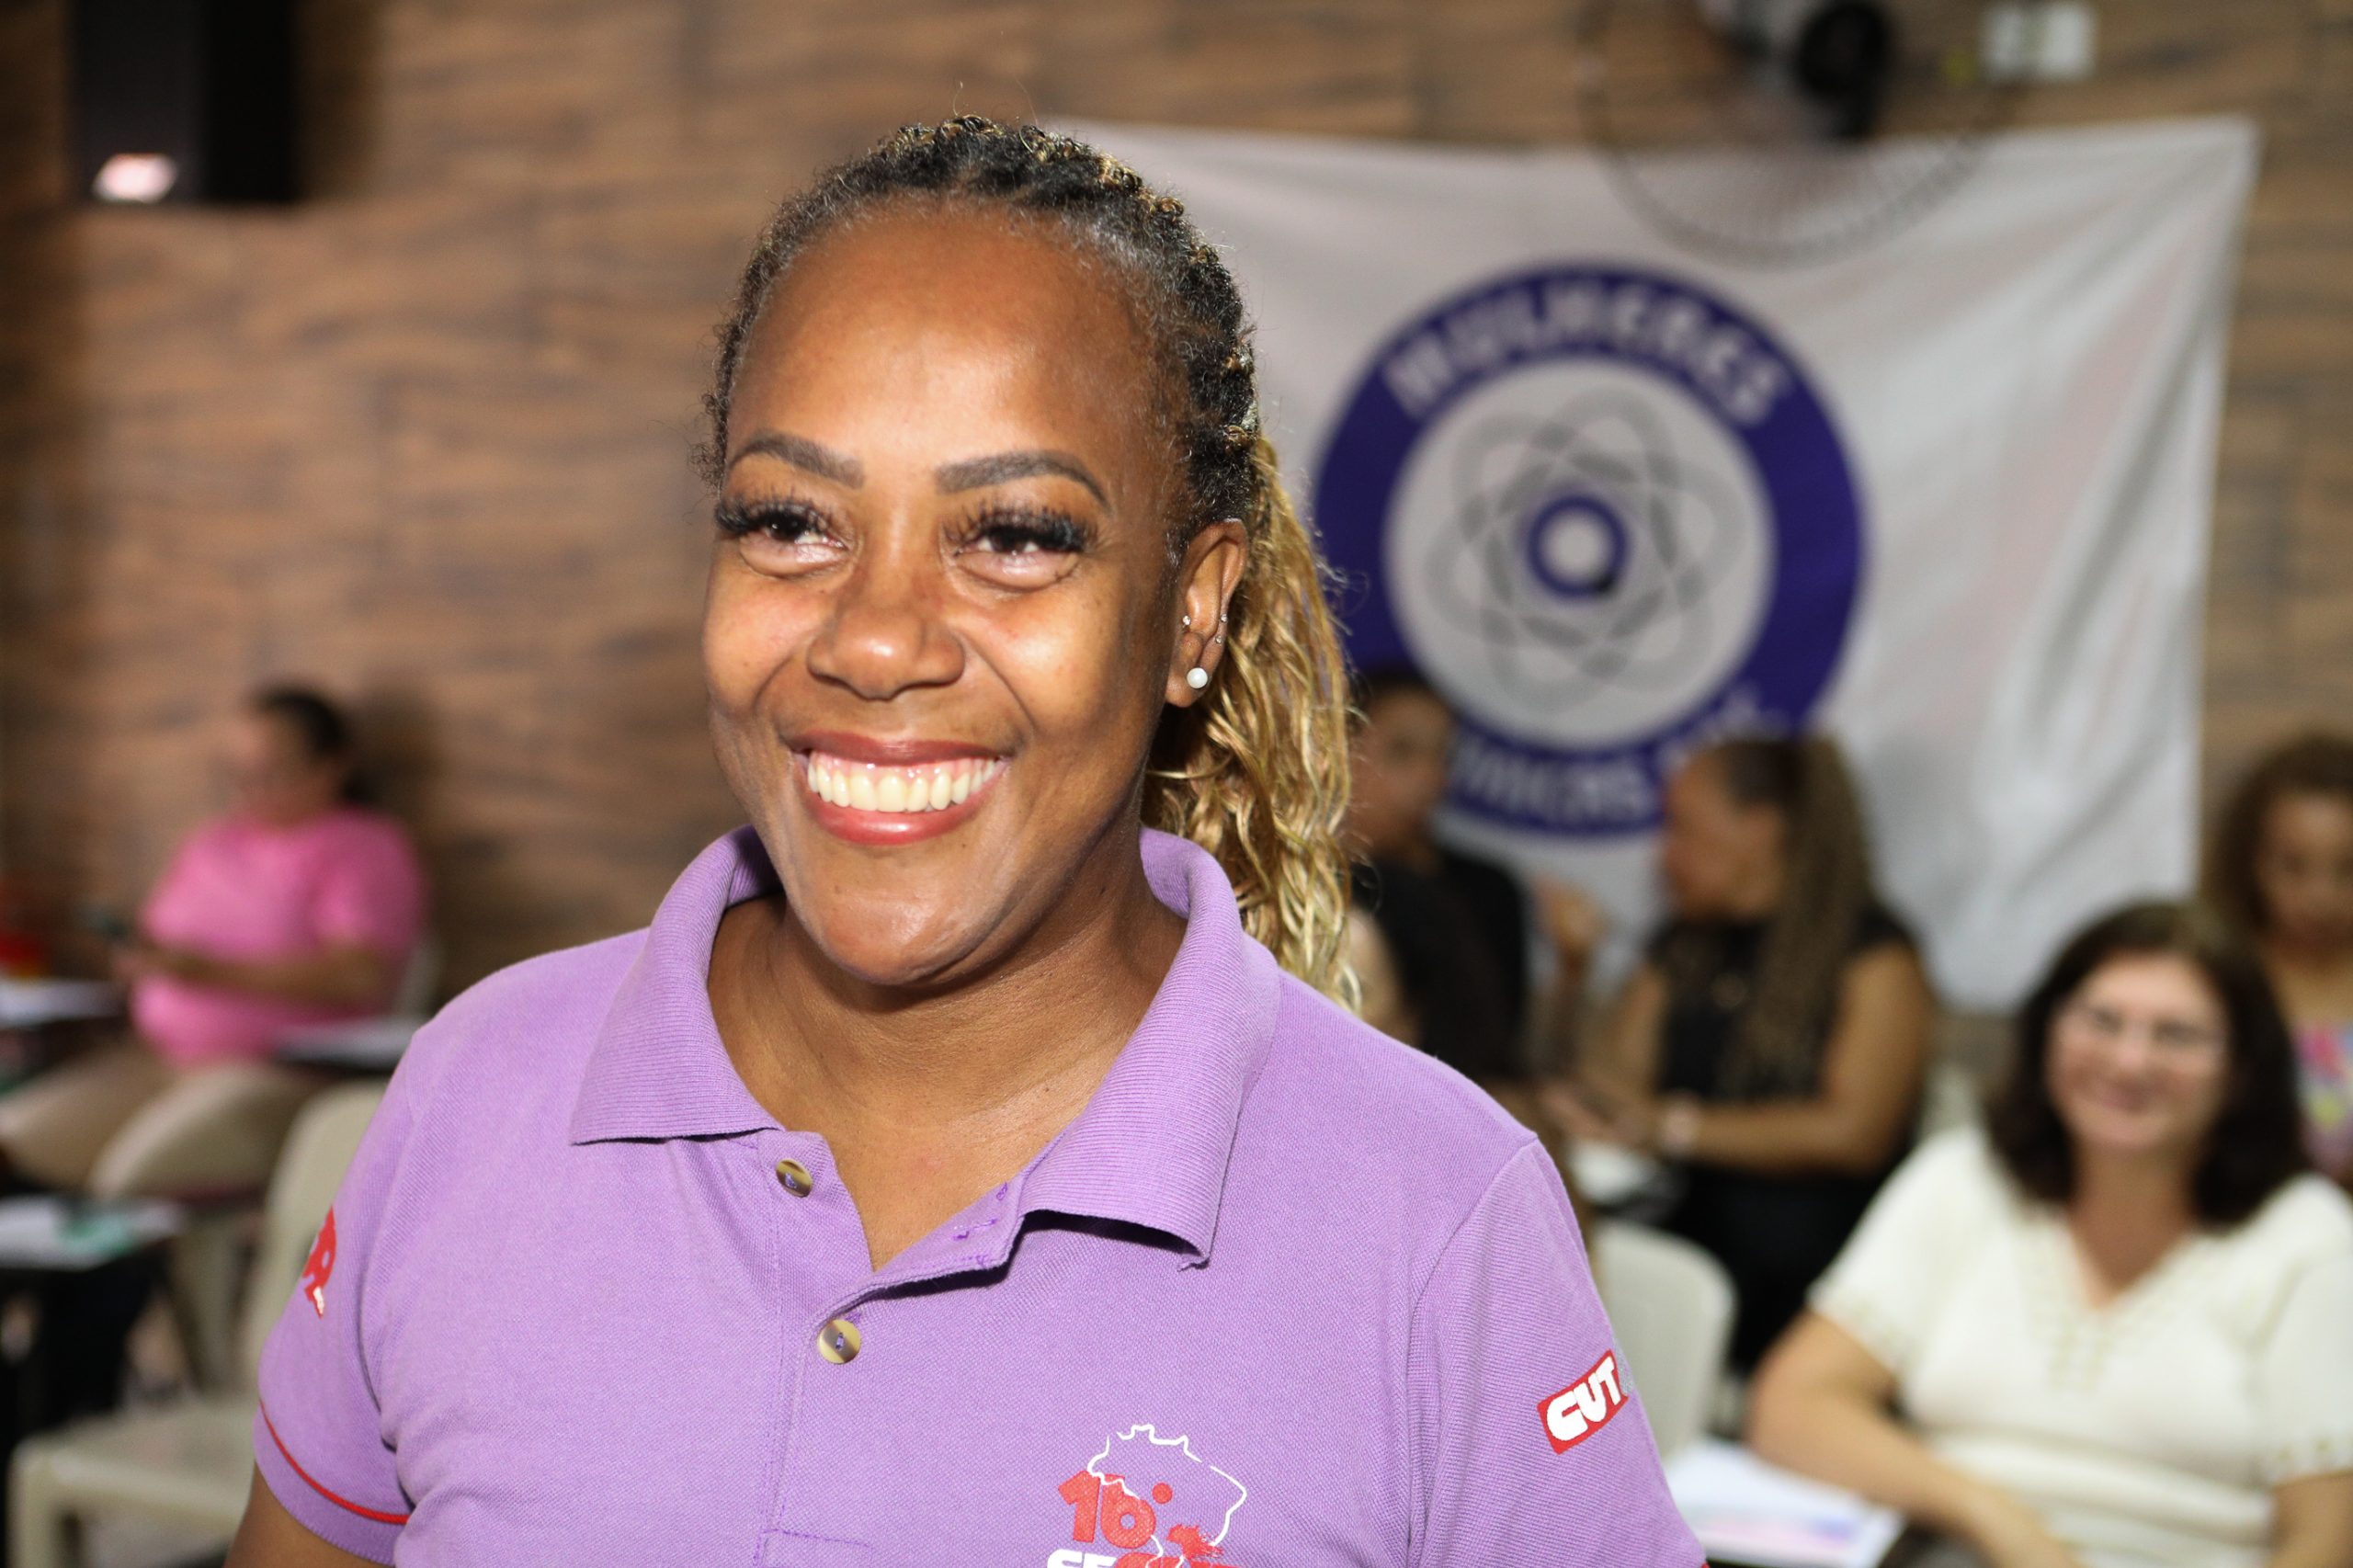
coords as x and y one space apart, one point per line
1609 516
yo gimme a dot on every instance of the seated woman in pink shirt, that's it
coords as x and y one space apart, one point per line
297 907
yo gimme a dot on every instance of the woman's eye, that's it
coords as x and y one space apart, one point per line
1023 536
780 538
1024 549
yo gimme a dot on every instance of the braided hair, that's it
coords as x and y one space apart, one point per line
1257 771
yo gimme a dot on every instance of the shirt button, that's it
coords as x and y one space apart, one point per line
837 1342
795 1177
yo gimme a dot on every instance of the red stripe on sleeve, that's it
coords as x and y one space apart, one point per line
312 1482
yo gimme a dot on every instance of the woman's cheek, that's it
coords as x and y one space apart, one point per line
1069 665
750 629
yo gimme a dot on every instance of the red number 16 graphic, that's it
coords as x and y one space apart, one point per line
1103 1502
1125 1519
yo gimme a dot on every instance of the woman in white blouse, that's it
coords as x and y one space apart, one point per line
2114 1329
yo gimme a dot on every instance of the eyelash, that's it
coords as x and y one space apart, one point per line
1011 529
735 518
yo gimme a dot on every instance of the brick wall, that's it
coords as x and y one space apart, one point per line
425 437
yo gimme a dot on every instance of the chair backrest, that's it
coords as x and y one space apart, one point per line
1950 1097
1671 1305
318 1151
413 997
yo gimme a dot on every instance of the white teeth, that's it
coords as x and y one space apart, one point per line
866 787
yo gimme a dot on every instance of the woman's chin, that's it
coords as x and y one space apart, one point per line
895 954
2119 1135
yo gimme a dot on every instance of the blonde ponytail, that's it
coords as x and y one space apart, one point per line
1257 772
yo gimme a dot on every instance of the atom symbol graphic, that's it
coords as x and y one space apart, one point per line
1590 555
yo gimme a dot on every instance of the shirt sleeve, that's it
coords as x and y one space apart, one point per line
319 1436
1920 1230
1530 1443
371 895
2304 1369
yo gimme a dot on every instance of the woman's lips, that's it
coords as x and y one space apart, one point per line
884 802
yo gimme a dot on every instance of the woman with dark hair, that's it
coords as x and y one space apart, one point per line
2116 1326
298 906
1772 1040
975 1160
2281 866
1452 928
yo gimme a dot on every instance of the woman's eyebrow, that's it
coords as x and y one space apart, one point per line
804 453
974 472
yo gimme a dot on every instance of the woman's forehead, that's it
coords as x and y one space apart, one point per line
2309 813
950 278
935 328
2156 978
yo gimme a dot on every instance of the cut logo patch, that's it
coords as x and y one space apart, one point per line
1584 1407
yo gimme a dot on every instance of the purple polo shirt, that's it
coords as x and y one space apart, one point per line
1286 1294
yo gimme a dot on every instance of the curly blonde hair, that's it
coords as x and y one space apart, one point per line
1257 771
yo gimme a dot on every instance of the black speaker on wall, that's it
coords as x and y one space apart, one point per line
185 100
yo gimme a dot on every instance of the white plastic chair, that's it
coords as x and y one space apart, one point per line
1671 1305
191 1462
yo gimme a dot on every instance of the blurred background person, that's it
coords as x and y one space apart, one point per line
1773 1037
298 907
2118 1322
2282 867
1452 928
1441 938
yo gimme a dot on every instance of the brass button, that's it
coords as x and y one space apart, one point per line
795 1177
838 1340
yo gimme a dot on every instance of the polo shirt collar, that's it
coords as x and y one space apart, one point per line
1150 1149
658 1068
1153 1145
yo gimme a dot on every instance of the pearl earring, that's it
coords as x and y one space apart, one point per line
1197 677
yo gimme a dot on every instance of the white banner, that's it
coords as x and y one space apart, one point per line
1946 497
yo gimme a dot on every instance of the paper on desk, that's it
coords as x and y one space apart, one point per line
53 1234
26 1003
1745 1511
376 1043
1608 1175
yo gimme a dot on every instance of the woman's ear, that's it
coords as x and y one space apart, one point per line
1206 581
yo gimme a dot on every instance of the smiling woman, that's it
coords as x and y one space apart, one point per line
972 1159
2135 1247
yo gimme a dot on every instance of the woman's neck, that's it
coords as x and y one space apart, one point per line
1036 1030
1756 896
292 822
2126 1213
2315 983
927 1099
1415 848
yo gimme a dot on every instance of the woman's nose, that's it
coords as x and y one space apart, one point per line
885 634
